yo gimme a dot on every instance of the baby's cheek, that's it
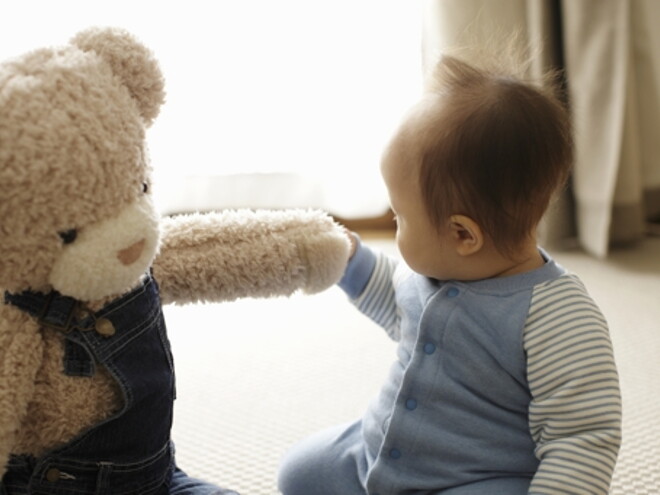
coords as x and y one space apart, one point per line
405 247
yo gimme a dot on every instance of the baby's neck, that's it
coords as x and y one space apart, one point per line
531 261
490 263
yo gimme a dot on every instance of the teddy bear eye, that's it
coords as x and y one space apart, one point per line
145 187
68 236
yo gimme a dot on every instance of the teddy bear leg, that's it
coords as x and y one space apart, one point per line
182 484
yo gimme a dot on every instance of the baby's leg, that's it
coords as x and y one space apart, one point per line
494 486
329 463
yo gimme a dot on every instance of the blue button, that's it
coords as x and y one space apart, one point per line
395 454
411 404
452 292
429 348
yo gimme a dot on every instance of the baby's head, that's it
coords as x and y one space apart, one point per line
477 161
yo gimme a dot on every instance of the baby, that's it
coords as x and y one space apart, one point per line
505 381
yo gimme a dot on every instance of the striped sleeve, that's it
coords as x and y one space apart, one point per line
378 301
575 412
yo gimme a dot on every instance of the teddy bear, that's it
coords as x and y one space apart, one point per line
86 263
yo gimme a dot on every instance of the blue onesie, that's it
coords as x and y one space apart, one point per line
501 386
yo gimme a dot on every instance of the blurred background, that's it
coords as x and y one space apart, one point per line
269 103
289 103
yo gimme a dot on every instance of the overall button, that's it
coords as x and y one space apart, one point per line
395 454
53 475
429 348
105 327
411 404
452 292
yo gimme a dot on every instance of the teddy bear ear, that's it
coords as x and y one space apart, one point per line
132 62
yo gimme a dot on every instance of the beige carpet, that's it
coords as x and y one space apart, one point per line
254 377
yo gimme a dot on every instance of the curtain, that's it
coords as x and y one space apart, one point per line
609 51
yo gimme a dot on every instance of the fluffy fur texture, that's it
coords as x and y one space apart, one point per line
244 253
76 217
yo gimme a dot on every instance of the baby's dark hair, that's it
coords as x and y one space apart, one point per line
498 151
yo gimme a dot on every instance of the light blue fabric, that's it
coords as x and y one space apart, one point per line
460 358
332 462
501 386
460 361
358 271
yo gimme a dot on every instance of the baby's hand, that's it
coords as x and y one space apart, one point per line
352 238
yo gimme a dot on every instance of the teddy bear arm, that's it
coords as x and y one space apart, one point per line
234 254
21 350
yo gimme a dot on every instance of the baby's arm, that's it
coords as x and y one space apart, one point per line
368 282
575 413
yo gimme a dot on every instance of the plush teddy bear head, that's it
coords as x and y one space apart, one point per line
76 214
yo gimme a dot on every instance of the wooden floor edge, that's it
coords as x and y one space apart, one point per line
383 223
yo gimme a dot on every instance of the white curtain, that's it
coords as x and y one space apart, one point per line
610 51
613 66
270 103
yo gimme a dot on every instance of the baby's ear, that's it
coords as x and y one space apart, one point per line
466 234
132 62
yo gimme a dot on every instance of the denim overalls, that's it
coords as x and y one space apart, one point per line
131 452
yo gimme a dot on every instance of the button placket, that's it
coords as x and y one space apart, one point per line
395 454
411 404
452 292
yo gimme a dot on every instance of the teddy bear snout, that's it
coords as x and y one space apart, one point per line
131 254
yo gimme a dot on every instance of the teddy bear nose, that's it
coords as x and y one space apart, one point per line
129 255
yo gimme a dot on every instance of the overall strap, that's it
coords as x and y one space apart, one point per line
61 313
51 310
